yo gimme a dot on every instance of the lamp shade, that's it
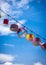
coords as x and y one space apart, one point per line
6 21
43 46
22 32
30 37
14 27
36 41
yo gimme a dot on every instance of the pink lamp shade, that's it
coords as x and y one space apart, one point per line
36 41
14 27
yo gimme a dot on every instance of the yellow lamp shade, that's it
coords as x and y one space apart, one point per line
30 37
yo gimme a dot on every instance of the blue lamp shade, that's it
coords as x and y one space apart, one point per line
21 32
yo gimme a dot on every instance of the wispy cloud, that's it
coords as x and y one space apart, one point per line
5 30
6 58
6 7
22 3
9 45
22 22
38 63
10 63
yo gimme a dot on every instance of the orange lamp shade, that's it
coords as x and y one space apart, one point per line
6 21
43 46
36 41
29 37
14 27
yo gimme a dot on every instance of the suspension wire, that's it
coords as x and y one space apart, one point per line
23 25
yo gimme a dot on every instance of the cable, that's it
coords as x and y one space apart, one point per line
23 25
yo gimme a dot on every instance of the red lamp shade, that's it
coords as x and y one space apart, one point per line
14 27
6 21
36 41
43 46
21 32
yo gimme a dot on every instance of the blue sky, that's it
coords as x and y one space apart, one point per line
19 51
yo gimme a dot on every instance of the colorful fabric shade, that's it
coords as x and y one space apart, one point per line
14 27
6 21
22 32
36 41
30 37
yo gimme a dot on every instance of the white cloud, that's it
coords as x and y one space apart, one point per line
17 13
14 2
10 63
6 58
9 45
23 4
4 30
38 63
5 6
22 22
